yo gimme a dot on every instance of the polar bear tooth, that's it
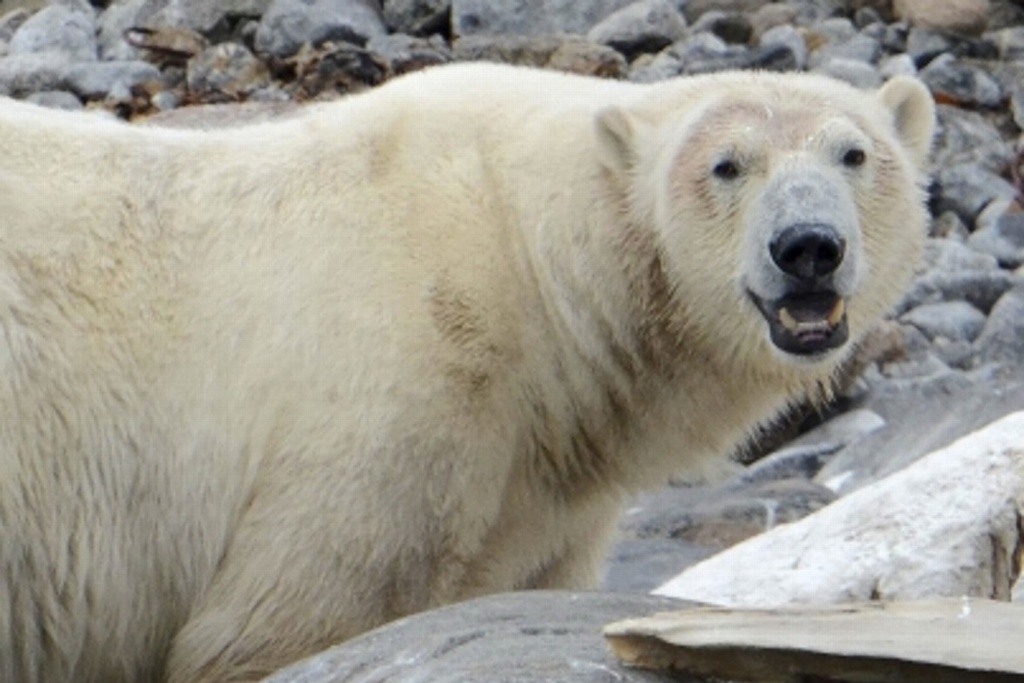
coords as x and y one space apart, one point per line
788 321
838 311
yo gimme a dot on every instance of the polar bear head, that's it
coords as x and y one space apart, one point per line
787 209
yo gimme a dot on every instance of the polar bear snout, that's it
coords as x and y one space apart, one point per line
808 252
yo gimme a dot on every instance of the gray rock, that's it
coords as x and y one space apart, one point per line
93 81
694 9
921 416
897 65
1009 42
11 22
960 82
549 636
967 137
1003 239
732 28
835 30
967 189
717 517
925 44
418 17
950 256
289 24
792 462
953 320
787 36
24 74
1002 340
949 226
645 26
575 55
857 73
1011 77
980 288
404 53
529 17
639 565
59 30
859 48
228 69
770 15
56 99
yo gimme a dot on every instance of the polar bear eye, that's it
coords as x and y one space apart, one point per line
726 170
854 158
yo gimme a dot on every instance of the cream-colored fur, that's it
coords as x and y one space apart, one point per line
263 389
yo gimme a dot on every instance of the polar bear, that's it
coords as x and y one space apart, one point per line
266 388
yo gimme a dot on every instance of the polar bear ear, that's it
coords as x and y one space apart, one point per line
913 111
616 139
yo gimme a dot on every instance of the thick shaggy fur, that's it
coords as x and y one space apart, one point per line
263 389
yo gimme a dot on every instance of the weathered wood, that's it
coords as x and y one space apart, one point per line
938 641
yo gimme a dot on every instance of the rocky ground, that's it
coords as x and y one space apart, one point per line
948 360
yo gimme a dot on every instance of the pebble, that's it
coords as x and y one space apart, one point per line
952 320
963 84
417 17
57 29
647 26
287 25
1003 239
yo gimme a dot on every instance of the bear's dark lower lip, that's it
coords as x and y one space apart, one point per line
805 324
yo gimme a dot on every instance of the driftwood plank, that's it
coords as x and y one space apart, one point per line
937 641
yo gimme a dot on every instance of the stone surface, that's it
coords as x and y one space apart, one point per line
532 637
934 641
417 17
955 16
953 320
228 70
945 527
645 26
1003 239
960 83
94 81
1002 339
967 189
529 17
575 55
57 29
287 25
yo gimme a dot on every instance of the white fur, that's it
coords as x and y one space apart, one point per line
266 388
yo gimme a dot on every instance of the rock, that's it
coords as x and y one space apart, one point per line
980 288
792 462
945 527
405 53
967 189
770 15
1009 42
945 255
904 642
1003 239
55 99
922 415
645 26
548 636
732 28
59 30
695 8
859 48
11 22
788 37
21 75
857 73
1002 339
952 320
575 55
967 137
953 81
639 565
529 17
227 70
92 81
287 25
418 17
955 16
720 516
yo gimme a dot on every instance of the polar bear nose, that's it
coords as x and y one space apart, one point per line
807 251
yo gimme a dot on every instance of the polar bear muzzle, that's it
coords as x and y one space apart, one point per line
811 318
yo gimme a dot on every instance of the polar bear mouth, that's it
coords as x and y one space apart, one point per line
805 324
